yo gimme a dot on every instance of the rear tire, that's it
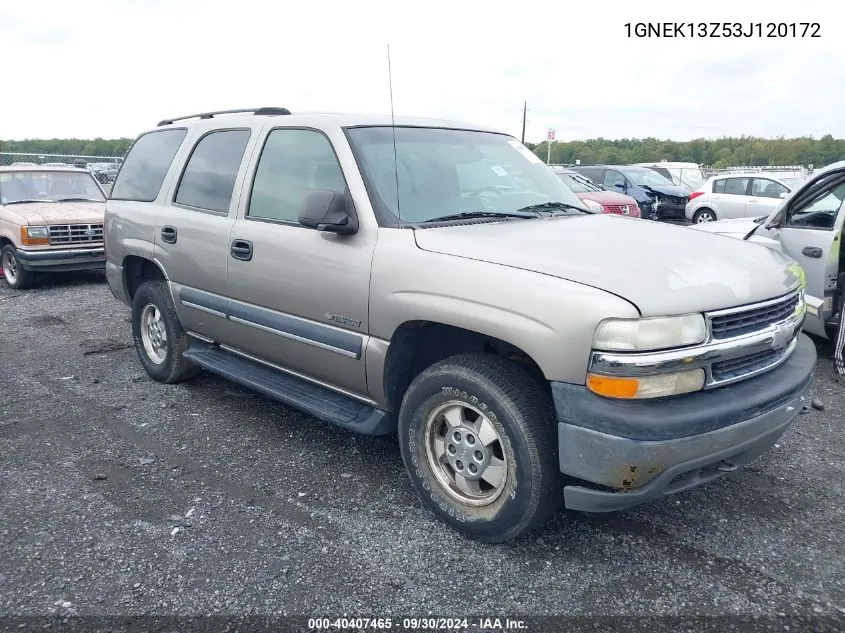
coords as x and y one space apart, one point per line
478 439
13 271
159 338
704 215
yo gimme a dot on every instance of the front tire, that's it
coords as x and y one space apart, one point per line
14 273
159 338
477 436
704 215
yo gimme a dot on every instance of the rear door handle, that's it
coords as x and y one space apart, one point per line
168 234
242 249
812 251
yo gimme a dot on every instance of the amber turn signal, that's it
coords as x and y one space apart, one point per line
35 236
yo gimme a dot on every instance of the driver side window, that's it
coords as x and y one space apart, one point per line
613 178
819 212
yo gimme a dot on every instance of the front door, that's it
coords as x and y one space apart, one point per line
766 194
811 233
300 295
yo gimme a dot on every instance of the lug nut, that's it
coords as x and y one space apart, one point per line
479 456
459 464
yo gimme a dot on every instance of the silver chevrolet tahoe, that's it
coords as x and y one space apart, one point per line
437 280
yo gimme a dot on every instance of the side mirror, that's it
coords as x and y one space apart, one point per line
330 211
620 185
783 195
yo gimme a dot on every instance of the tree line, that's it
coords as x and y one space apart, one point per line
69 146
717 153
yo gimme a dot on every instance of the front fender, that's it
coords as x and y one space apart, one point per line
550 319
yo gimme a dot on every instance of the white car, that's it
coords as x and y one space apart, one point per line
735 196
808 227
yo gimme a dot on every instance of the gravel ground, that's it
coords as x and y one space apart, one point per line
119 495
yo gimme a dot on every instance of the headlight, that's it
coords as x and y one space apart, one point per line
36 232
35 235
636 335
657 386
592 205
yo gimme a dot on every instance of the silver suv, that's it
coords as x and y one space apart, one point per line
438 281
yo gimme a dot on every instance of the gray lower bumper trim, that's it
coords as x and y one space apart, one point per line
635 471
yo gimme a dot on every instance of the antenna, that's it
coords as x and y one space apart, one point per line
393 130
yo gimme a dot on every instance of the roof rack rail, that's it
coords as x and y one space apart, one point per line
267 111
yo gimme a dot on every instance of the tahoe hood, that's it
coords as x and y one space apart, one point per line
660 268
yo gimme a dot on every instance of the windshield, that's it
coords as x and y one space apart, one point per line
579 183
47 186
691 178
444 172
643 177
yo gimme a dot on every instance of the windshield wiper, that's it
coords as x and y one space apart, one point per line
468 215
562 206
26 201
77 200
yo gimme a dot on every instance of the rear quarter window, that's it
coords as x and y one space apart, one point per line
146 165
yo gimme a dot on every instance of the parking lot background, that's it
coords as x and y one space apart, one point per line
122 495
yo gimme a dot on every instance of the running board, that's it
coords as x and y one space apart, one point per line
324 404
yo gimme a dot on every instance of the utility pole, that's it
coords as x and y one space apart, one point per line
524 112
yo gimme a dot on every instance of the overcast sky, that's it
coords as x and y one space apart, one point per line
115 67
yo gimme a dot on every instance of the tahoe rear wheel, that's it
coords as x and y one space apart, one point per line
159 338
15 275
478 438
704 215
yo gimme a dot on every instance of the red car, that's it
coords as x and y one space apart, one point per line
595 197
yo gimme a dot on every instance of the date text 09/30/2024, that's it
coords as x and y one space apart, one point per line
453 625
723 29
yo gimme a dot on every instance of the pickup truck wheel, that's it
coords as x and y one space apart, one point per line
159 338
15 275
477 436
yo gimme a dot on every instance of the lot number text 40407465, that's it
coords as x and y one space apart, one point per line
723 29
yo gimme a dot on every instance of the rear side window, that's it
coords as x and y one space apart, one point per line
145 167
209 177
735 186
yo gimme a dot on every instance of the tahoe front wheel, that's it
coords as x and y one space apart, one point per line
478 438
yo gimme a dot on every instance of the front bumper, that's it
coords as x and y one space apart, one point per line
638 451
62 260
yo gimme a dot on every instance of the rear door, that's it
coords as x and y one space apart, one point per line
811 233
730 196
192 231
766 194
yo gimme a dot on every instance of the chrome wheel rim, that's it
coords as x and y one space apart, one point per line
465 453
153 334
704 217
10 267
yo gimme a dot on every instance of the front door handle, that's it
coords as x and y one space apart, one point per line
812 251
168 234
242 249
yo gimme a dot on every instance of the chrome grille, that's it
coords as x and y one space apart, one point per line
752 319
75 233
746 365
